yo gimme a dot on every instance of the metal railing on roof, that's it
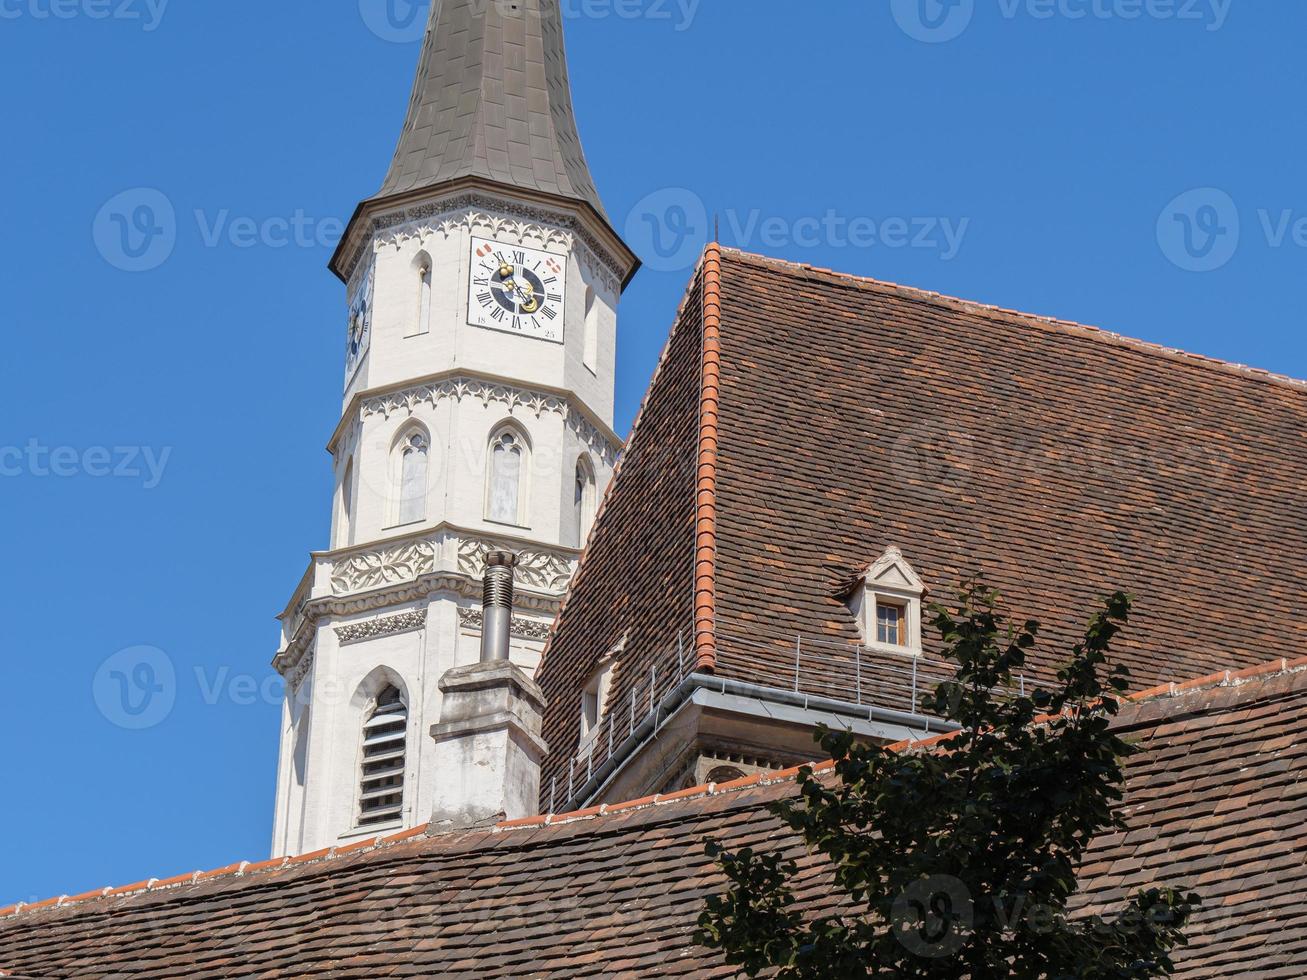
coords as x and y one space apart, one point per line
832 671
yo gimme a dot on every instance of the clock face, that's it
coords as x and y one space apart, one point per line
516 289
360 324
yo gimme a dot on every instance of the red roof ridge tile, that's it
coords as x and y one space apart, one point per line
705 516
617 469
1031 319
1279 667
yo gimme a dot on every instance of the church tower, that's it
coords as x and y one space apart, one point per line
482 286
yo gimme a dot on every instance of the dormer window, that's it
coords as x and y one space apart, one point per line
887 604
594 696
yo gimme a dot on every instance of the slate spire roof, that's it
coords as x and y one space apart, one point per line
492 100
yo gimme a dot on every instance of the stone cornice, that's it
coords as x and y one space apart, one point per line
410 568
479 195
461 383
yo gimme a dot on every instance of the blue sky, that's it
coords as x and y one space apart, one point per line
1134 164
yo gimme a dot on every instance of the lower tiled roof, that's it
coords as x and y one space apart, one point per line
1216 801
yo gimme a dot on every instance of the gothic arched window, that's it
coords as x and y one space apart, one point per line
410 468
385 733
583 499
506 480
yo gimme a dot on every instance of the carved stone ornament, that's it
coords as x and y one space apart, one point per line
525 629
537 569
300 671
401 562
384 626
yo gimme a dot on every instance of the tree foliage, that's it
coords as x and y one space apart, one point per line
960 860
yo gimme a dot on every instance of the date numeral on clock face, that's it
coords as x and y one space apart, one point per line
518 290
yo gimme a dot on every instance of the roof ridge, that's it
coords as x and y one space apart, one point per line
1279 667
705 508
626 444
1029 319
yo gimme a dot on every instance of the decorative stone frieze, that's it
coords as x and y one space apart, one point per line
387 565
300 671
538 569
524 629
483 213
384 626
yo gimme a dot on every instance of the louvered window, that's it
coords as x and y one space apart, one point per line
384 735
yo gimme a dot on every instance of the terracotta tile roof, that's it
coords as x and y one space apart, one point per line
849 415
1216 799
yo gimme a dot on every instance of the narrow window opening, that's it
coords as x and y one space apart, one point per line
590 356
412 475
385 733
583 500
424 296
346 517
507 465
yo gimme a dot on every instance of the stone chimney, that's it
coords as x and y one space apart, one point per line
488 744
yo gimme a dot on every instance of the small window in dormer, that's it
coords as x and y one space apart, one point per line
889 624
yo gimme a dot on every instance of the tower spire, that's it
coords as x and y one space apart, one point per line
492 100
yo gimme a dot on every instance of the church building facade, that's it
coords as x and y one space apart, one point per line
537 667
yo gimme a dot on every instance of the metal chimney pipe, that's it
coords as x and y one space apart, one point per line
497 606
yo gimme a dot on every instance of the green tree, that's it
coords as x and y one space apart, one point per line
958 861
